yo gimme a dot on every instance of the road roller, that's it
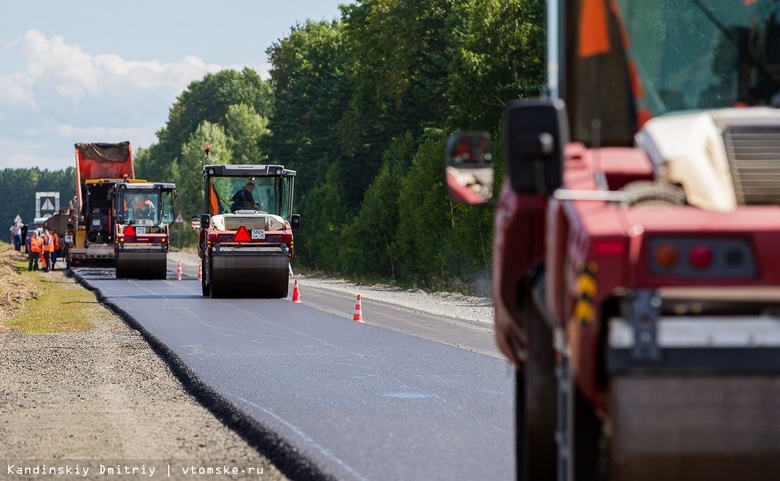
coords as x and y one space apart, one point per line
635 248
246 230
143 212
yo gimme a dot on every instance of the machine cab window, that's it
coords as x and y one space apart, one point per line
146 206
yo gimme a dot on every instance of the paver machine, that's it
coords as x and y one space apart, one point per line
120 221
144 213
636 269
246 241
99 166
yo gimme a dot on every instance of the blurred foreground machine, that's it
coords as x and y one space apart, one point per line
246 245
636 267
121 221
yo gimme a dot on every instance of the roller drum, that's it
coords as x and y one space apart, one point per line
141 265
696 427
253 276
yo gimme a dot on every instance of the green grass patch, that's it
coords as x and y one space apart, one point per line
62 305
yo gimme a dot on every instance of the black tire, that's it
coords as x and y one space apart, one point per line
204 287
119 271
582 432
214 287
537 401
645 192
162 272
283 284
589 462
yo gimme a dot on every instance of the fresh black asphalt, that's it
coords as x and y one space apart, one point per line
361 402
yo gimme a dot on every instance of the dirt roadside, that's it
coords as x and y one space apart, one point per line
83 405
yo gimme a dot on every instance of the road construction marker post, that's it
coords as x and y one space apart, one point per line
358 316
200 271
178 271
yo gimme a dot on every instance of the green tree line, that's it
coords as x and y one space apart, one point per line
361 107
20 185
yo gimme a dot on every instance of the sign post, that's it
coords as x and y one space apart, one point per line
179 220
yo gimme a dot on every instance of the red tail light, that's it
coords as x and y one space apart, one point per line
700 256
129 231
242 235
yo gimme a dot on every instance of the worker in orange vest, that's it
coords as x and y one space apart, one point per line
48 248
56 240
34 251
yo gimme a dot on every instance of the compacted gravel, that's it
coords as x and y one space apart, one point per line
104 402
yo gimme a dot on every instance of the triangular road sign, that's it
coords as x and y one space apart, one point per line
179 219
47 205
17 219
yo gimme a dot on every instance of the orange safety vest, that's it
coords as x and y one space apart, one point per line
48 243
36 244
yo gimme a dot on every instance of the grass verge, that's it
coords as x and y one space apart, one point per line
38 302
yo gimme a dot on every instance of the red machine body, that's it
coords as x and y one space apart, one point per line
98 167
246 239
635 248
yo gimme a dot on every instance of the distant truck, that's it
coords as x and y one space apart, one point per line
246 249
107 230
99 166
62 223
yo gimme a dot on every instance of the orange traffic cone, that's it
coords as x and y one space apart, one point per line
178 271
200 271
358 316
296 294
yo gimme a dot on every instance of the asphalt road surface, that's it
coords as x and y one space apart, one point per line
402 397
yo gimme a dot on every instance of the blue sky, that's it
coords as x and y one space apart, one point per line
106 71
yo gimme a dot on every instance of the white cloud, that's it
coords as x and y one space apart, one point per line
264 70
17 91
62 95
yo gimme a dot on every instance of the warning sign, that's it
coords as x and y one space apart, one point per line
179 219
46 203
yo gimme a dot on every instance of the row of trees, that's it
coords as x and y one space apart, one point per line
361 108
20 185
228 111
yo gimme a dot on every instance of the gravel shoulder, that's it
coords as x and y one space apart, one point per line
103 397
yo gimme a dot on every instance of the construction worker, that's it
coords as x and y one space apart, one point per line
48 248
144 209
56 240
243 199
34 247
